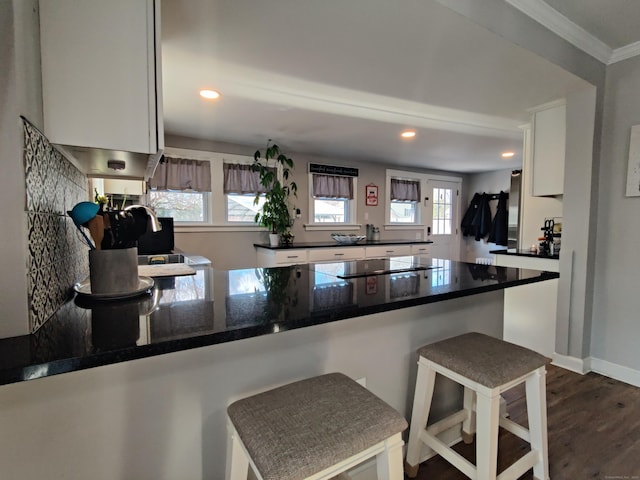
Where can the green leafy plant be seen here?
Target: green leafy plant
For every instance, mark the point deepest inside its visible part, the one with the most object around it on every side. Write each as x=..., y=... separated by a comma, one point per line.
x=275, y=213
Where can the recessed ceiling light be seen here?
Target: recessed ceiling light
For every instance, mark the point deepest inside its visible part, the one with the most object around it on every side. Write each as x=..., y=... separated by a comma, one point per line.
x=209, y=94
x=408, y=134
x=508, y=154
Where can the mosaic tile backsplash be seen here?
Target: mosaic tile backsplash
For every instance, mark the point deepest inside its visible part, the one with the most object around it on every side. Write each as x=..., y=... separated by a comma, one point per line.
x=57, y=257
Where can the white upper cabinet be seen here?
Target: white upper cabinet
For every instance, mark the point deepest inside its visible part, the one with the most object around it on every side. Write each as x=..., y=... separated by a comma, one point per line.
x=101, y=74
x=549, y=137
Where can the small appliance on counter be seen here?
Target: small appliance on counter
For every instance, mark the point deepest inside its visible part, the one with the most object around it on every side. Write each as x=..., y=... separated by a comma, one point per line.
x=550, y=241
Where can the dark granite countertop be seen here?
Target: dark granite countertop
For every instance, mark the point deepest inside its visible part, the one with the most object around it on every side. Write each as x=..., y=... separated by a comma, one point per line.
x=336, y=244
x=218, y=306
x=524, y=253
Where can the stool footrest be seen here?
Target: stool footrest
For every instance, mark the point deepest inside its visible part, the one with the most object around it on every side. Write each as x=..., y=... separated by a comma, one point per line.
x=516, y=429
x=516, y=470
x=447, y=422
x=442, y=449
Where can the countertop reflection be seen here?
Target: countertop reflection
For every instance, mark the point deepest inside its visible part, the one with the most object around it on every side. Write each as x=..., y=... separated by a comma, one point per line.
x=217, y=306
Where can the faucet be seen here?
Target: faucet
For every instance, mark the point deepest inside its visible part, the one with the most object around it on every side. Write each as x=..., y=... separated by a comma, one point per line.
x=153, y=219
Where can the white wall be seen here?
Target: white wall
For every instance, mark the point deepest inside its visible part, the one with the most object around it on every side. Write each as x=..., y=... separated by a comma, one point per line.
x=616, y=302
x=20, y=93
x=164, y=417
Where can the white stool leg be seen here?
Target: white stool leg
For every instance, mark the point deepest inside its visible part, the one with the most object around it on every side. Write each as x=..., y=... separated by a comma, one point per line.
x=425, y=382
x=389, y=462
x=469, y=424
x=537, y=413
x=237, y=460
x=487, y=421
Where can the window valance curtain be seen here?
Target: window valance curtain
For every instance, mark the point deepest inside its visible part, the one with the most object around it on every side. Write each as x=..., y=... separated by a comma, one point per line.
x=182, y=174
x=405, y=190
x=241, y=179
x=332, y=186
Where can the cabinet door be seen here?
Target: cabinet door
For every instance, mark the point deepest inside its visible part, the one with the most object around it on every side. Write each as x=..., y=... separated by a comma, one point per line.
x=335, y=253
x=388, y=250
x=100, y=73
x=549, y=133
x=291, y=257
x=420, y=249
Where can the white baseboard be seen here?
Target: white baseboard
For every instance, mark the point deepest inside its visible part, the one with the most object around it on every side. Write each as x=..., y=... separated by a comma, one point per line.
x=597, y=365
x=615, y=371
x=578, y=365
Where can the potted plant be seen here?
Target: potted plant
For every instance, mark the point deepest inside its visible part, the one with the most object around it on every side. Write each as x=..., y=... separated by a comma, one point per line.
x=275, y=214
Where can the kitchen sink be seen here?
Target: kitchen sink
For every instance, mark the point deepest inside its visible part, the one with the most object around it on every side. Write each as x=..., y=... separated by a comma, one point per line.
x=161, y=259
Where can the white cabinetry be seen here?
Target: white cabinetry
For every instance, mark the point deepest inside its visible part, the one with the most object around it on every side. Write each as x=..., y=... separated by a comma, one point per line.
x=101, y=74
x=530, y=310
x=421, y=249
x=335, y=254
x=549, y=136
x=387, y=250
x=268, y=257
x=279, y=258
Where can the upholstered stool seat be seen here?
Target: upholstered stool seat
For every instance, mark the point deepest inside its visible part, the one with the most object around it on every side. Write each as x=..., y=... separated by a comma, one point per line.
x=487, y=367
x=315, y=428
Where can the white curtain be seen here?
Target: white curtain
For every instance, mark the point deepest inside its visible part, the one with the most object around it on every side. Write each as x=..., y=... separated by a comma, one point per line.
x=332, y=186
x=182, y=174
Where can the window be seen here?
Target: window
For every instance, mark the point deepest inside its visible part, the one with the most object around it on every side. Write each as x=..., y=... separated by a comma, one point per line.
x=241, y=185
x=182, y=206
x=442, y=211
x=179, y=189
x=332, y=199
x=404, y=197
x=229, y=202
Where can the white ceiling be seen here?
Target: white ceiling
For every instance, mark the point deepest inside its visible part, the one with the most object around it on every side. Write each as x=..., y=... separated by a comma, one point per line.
x=342, y=79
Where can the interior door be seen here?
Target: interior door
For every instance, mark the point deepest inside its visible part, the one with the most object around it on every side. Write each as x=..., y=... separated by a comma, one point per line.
x=442, y=218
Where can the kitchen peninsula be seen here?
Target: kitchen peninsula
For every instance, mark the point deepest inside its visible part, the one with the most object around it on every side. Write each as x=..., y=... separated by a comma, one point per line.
x=258, y=328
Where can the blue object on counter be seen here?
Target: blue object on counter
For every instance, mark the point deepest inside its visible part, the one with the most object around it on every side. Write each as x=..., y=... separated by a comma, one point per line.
x=81, y=213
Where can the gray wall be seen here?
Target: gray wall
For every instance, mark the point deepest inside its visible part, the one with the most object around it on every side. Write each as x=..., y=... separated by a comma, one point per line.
x=616, y=303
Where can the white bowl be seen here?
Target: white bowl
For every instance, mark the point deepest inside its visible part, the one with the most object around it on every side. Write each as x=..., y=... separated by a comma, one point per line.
x=347, y=239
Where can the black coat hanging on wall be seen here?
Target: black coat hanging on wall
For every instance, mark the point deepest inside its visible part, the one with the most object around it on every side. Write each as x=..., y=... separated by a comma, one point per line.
x=500, y=225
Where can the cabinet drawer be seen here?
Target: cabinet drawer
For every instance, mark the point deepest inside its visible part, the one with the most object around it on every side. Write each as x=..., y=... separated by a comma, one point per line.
x=420, y=249
x=337, y=253
x=291, y=257
x=388, y=250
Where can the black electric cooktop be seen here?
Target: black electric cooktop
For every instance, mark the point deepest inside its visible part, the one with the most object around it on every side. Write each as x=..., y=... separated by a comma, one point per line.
x=382, y=266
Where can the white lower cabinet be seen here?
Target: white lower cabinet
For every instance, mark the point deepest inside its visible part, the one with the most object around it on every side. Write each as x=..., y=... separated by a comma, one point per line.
x=420, y=249
x=335, y=254
x=387, y=250
x=530, y=310
x=267, y=257
x=279, y=258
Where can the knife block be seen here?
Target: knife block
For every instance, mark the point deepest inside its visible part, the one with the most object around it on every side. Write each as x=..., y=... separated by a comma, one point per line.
x=114, y=271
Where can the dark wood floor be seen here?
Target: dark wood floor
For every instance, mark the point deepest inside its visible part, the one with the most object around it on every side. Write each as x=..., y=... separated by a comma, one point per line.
x=593, y=427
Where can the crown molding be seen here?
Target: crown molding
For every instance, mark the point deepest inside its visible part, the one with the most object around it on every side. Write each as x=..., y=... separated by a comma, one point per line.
x=622, y=53
x=565, y=28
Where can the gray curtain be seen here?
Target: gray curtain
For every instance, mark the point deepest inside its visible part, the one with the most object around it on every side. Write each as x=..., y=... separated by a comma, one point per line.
x=241, y=179
x=332, y=186
x=182, y=174
x=405, y=190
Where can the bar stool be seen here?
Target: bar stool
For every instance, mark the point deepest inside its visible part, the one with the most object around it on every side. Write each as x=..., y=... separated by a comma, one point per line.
x=313, y=429
x=486, y=367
